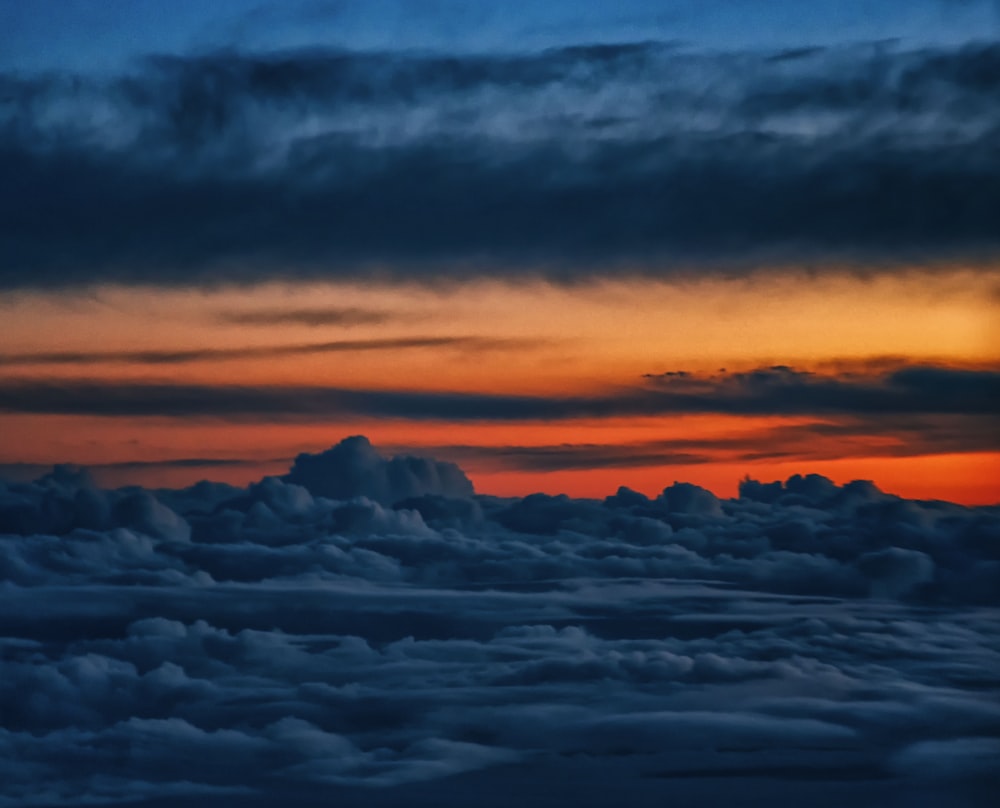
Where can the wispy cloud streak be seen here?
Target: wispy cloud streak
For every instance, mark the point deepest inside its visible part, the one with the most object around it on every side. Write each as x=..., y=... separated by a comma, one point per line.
x=176, y=357
x=314, y=317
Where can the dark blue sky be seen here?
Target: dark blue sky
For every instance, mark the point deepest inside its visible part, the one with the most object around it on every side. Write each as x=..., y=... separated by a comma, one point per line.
x=80, y=35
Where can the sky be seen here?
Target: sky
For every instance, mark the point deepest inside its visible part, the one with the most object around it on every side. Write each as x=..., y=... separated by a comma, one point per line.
x=453, y=402
x=569, y=246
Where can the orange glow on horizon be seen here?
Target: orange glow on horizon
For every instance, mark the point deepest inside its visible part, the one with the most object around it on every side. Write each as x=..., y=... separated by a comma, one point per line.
x=530, y=339
x=964, y=479
x=968, y=478
x=557, y=339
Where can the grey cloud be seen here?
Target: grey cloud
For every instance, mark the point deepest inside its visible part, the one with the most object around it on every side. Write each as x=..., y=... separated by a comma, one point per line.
x=951, y=759
x=569, y=162
x=908, y=391
x=321, y=634
x=353, y=468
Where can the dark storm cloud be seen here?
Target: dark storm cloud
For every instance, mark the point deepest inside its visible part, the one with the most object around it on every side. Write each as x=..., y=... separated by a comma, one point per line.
x=267, y=644
x=327, y=164
x=778, y=390
x=176, y=357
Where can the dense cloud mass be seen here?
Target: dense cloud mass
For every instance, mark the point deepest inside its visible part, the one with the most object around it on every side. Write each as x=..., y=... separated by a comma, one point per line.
x=368, y=630
x=649, y=156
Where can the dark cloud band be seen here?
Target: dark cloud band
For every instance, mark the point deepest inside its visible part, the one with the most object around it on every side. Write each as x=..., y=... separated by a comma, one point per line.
x=567, y=163
x=769, y=391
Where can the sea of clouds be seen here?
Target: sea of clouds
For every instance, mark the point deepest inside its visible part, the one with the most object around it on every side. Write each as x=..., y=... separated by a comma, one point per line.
x=369, y=631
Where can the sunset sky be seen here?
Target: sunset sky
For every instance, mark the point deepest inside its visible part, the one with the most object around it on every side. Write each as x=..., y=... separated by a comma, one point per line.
x=567, y=245
x=499, y=402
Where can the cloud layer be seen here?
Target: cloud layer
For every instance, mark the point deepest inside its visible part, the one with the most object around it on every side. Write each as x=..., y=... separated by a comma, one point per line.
x=565, y=161
x=907, y=391
x=370, y=629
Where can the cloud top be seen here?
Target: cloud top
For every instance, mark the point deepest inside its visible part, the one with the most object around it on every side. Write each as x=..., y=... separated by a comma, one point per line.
x=353, y=468
x=369, y=628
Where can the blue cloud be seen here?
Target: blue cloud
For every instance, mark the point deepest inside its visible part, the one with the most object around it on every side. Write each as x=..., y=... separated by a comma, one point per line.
x=566, y=162
x=276, y=642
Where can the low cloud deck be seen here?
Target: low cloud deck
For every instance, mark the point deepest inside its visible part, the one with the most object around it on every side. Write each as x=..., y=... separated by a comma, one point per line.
x=368, y=629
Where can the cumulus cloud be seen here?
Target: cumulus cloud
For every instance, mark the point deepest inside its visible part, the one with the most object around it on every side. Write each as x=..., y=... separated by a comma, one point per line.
x=371, y=629
x=565, y=161
x=353, y=468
